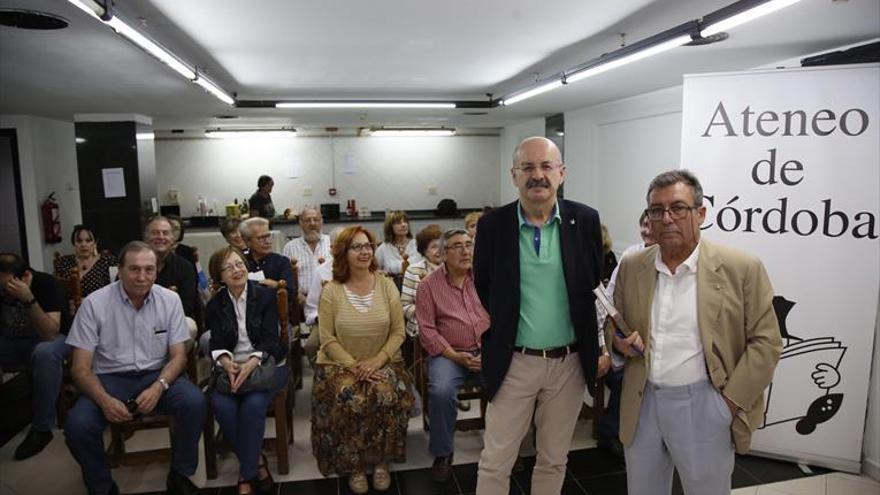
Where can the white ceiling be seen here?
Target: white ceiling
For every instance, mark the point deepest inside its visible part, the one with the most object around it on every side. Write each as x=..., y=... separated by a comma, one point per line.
x=457, y=49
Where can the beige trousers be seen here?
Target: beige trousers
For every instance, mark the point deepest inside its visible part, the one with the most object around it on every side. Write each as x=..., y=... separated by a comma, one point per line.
x=558, y=387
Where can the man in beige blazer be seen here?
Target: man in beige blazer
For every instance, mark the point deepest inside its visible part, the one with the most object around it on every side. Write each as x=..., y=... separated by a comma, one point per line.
x=703, y=347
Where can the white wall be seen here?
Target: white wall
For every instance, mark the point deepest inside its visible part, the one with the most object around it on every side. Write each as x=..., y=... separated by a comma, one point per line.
x=390, y=172
x=47, y=159
x=613, y=150
x=510, y=137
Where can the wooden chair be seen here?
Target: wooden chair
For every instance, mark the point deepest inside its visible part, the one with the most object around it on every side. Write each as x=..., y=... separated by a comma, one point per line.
x=597, y=410
x=281, y=408
x=69, y=391
x=296, y=350
x=469, y=390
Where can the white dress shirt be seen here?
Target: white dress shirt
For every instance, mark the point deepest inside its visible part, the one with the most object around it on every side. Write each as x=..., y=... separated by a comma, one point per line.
x=389, y=259
x=244, y=349
x=324, y=273
x=307, y=260
x=676, y=349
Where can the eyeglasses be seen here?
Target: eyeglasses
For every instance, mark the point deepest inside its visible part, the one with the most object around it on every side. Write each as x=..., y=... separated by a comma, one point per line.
x=358, y=248
x=529, y=169
x=461, y=247
x=676, y=211
x=238, y=265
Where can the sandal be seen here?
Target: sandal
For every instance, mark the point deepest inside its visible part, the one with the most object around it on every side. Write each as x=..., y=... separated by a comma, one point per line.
x=245, y=487
x=381, y=478
x=265, y=484
x=357, y=483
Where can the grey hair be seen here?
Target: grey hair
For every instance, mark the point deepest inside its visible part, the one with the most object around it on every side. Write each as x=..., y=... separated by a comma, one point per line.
x=157, y=218
x=244, y=228
x=134, y=247
x=672, y=177
x=449, y=234
x=311, y=208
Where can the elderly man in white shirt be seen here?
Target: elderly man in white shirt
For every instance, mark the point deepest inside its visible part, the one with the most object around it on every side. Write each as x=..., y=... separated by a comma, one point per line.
x=309, y=250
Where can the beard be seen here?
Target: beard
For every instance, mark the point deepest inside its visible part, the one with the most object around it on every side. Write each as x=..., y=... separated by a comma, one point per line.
x=312, y=236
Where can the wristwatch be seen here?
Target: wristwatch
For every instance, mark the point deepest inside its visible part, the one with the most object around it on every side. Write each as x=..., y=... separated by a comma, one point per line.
x=164, y=384
x=31, y=302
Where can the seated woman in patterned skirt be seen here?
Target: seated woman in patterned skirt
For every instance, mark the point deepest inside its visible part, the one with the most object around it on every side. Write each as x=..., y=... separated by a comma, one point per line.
x=94, y=268
x=361, y=391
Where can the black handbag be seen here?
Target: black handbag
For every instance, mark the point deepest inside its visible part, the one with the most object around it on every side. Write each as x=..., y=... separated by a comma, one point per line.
x=261, y=379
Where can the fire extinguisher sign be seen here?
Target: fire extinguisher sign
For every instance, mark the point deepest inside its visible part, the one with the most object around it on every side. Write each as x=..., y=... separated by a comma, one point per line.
x=51, y=220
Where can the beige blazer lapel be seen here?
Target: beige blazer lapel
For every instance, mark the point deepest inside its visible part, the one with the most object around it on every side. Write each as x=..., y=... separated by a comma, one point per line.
x=710, y=299
x=647, y=283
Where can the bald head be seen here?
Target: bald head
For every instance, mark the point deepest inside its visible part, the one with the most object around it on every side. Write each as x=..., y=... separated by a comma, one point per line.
x=536, y=143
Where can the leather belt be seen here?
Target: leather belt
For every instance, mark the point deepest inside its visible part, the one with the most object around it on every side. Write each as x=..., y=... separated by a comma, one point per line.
x=554, y=353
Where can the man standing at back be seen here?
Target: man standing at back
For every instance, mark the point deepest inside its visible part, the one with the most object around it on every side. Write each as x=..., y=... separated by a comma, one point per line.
x=703, y=347
x=535, y=266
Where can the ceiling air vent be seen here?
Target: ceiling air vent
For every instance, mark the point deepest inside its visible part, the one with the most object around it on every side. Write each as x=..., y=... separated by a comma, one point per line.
x=31, y=19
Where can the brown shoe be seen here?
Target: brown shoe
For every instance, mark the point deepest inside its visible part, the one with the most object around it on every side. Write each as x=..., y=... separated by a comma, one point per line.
x=441, y=471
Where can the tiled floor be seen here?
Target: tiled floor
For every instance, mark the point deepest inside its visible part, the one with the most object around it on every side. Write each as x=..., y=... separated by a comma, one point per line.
x=590, y=471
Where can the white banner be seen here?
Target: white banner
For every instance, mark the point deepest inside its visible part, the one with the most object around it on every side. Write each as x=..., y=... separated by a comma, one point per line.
x=789, y=163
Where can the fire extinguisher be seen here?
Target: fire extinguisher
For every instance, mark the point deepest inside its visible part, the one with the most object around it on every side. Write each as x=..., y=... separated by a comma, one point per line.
x=51, y=220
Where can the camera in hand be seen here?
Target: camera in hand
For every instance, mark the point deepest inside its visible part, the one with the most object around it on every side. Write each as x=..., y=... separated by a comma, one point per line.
x=132, y=406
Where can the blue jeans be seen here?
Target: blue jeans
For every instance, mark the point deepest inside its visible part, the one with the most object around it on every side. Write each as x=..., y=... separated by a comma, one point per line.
x=444, y=379
x=242, y=419
x=45, y=360
x=84, y=430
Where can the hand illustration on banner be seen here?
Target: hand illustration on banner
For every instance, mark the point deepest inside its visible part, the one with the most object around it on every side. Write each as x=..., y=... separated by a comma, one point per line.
x=806, y=364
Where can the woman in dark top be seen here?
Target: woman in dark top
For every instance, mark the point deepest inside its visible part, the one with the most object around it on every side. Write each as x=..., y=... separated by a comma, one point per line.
x=94, y=268
x=609, y=259
x=260, y=204
x=243, y=320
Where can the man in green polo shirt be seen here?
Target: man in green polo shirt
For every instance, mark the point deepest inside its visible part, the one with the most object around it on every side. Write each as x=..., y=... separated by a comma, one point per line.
x=536, y=263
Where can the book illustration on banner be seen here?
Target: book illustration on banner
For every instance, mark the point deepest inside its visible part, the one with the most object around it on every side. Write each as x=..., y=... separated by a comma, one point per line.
x=805, y=365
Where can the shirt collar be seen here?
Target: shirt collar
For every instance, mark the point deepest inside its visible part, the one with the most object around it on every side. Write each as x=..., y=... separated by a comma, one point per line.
x=242, y=298
x=127, y=300
x=446, y=276
x=690, y=263
x=554, y=215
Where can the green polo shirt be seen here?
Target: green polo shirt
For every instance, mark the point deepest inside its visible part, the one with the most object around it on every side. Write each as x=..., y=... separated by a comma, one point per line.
x=544, y=317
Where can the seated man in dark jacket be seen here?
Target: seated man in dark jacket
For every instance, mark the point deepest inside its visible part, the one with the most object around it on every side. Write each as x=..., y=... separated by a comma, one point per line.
x=264, y=266
x=34, y=318
x=174, y=271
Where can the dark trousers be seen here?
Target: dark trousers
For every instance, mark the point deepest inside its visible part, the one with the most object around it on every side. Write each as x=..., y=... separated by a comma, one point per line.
x=44, y=360
x=84, y=430
x=609, y=425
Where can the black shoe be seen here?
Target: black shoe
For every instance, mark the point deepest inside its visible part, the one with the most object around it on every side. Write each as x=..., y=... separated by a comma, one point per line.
x=613, y=447
x=267, y=484
x=179, y=484
x=33, y=444
x=441, y=471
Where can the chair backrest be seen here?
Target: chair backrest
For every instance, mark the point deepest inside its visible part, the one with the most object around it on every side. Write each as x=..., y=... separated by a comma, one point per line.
x=283, y=313
x=71, y=281
x=405, y=264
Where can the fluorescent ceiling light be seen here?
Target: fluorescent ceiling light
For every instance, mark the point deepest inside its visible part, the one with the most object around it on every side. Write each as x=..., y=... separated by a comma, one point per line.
x=145, y=136
x=214, y=90
x=150, y=47
x=746, y=16
x=639, y=55
x=250, y=133
x=89, y=7
x=362, y=104
x=542, y=88
x=412, y=132
x=80, y=140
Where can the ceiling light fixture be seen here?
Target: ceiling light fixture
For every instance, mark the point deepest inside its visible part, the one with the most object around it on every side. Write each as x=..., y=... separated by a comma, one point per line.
x=740, y=13
x=539, y=88
x=583, y=73
x=143, y=42
x=365, y=104
x=412, y=132
x=249, y=133
x=144, y=136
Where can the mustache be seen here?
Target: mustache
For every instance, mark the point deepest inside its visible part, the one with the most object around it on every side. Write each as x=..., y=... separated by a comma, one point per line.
x=542, y=182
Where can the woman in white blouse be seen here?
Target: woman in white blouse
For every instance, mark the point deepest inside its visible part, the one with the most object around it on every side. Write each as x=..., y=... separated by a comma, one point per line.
x=243, y=320
x=399, y=245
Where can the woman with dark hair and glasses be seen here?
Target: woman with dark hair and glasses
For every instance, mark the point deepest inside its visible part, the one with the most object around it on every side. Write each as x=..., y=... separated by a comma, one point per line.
x=243, y=320
x=94, y=268
x=361, y=393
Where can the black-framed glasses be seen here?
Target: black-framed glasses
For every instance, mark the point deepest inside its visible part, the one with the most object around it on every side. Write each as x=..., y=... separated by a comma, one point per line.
x=461, y=247
x=676, y=211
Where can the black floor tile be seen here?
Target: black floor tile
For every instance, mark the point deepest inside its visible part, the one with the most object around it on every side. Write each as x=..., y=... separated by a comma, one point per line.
x=609, y=484
x=466, y=476
x=209, y=491
x=419, y=482
x=768, y=470
x=327, y=486
x=742, y=478
x=593, y=462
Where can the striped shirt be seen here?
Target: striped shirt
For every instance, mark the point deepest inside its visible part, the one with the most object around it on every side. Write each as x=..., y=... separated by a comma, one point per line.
x=449, y=316
x=306, y=260
x=411, y=280
x=360, y=303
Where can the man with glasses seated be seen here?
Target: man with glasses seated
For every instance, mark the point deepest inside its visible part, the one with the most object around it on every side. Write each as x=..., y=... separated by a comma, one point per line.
x=265, y=267
x=128, y=358
x=704, y=343
x=451, y=323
